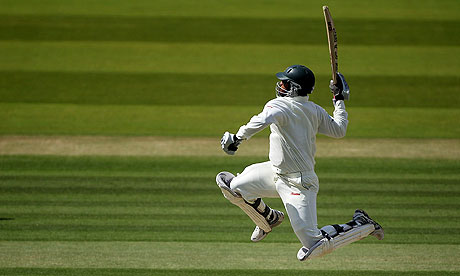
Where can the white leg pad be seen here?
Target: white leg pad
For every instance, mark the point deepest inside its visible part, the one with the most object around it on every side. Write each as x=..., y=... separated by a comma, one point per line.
x=355, y=234
x=239, y=201
x=326, y=246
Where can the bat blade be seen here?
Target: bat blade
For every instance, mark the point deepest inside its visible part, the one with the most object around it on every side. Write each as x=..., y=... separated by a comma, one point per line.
x=332, y=40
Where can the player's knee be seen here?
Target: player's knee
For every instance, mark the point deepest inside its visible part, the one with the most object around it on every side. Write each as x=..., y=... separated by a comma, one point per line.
x=239, y=185
x=236, y=183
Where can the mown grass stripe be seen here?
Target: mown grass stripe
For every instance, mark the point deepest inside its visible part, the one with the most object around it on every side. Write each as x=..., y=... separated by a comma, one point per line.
x=426, y=240
x=195, y=182
x=32, y=271
x=246, y=255
x=159, y=226
x=396, y=224
x=120, y=182
x=162, y=120
x=186, y=201
x=192, y=58
x=203, y=186
x=205, y=216
x=429, y=9
x=227, y=30
x=200, y=89
x=162, y=167
x=222, y=208
x=81, y=166
x=204, y=207
x=184, y=191
x=205, y=272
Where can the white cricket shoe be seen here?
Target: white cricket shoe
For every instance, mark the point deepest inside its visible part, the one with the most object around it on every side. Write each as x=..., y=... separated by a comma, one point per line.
x=259, y=234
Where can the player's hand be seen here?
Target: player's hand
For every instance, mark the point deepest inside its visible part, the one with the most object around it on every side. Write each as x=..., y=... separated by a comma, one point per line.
x=336, y=91
x=230, y=143
x=340, y=90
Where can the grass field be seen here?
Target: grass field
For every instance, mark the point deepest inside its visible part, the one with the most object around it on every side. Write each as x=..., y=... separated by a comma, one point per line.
x=111, y=113
x=165, y=213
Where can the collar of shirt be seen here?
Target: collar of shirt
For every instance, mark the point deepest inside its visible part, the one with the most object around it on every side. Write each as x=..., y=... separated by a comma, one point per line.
x=301, y=98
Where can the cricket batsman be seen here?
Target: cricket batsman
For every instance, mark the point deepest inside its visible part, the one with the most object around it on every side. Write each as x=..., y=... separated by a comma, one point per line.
x=289, y=174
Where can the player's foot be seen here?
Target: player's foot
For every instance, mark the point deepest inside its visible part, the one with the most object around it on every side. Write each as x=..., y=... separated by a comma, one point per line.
x=260, y=234
x=362, y=217
x=306, y=253
x=303, y=253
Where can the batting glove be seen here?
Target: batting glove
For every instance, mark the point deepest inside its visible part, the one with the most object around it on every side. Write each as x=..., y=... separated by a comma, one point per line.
x=340, y=90
x=230, y=143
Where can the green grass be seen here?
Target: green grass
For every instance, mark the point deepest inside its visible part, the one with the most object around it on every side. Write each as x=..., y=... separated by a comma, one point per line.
x=199, y=68
x=133, y=215
x=221, y=256
x=235, y=59
x=89, y=74
x=227, y=30
x=33, y=272
x=163, y=120
x=211, y=58
x=176, y=199
x=430, y=9
x=149, y=212
x=193, y=272
x=199, y=89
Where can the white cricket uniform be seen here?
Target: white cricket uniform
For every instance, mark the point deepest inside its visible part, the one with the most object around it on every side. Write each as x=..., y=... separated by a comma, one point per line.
x=294, y=123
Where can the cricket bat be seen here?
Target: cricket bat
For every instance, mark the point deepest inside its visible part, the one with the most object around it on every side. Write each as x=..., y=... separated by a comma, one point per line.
x=332, y=40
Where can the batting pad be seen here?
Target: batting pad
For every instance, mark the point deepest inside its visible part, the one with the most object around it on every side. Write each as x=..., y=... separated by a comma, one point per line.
x=239, y=201
x=326, y=246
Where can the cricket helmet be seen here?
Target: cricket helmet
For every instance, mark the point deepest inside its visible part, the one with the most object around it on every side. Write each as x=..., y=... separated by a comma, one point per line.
x=297, y=80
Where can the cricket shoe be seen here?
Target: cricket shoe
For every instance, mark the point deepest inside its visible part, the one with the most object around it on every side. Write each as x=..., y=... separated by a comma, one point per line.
x=259, y=234
x=361, y=217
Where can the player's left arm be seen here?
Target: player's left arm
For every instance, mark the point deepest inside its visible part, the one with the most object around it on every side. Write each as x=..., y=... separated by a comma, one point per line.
x=335, y=126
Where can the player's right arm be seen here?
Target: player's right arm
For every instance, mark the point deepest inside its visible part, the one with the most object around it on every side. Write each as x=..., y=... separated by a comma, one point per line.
x=269, y=115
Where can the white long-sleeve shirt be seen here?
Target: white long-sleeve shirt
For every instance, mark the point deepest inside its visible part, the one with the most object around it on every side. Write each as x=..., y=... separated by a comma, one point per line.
x=294, y=123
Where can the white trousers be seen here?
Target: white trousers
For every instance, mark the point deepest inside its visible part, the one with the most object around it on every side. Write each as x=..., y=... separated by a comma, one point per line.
x=298, y=192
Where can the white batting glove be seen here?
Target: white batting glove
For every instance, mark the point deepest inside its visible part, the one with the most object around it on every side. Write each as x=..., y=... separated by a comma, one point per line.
x=230, y=143
x=340, y=90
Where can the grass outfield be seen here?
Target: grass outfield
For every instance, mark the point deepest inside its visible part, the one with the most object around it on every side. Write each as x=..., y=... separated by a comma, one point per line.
x=429, y=9
x=217, y=272
x=158, y=215
x=113, y=57
x=84, y=82
x=41, y=119
x=207, y=147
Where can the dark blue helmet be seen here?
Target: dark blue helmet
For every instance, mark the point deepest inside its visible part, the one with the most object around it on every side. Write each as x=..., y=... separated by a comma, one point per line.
x=297, y=80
